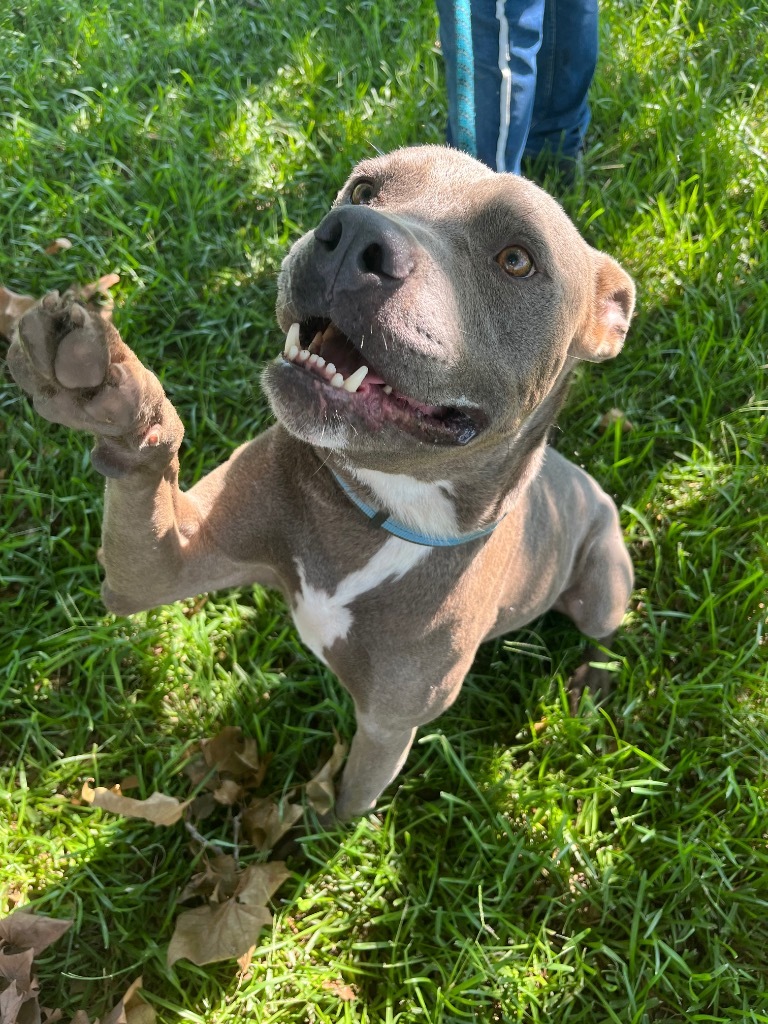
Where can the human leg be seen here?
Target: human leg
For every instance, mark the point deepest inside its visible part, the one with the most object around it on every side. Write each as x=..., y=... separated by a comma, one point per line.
x=565, y=68
x=491, y=106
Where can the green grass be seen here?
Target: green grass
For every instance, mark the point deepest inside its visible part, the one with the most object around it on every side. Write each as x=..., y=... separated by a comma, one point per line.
x=527, y=866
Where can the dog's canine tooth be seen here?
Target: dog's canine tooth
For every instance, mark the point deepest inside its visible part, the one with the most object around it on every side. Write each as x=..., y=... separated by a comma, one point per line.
x=316, y=343
x=292, y=339
x=293, y=353
x=353, y=382
x=336, y=380
x=387, y=389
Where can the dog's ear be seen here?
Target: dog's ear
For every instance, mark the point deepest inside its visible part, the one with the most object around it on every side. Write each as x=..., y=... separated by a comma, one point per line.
x=607, y=321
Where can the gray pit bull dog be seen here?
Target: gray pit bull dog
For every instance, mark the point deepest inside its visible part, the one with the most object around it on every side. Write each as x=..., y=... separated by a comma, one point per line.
x=406, y=503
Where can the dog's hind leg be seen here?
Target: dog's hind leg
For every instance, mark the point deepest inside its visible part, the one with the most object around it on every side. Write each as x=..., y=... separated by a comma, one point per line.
x=596, y=603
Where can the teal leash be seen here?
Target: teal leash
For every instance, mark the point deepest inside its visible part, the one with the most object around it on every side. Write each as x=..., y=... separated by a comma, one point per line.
x=465, y=78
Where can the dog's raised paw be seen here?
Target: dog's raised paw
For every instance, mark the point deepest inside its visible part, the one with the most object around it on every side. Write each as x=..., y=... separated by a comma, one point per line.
x=76, y=368
x=82, y=357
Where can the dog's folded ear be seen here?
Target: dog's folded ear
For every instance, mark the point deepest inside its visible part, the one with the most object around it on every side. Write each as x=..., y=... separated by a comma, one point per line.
x=607, y=321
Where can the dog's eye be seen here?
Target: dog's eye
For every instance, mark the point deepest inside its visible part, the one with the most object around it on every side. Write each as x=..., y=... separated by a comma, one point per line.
x=362, y=194
x=516, y=261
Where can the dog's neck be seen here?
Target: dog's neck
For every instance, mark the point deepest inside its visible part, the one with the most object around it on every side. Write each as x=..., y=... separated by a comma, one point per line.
x=474, y=496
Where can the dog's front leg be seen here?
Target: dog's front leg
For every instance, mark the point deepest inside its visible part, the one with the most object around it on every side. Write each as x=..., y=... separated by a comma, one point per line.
x=80, y=374
x=377, y=754
x=388, y=717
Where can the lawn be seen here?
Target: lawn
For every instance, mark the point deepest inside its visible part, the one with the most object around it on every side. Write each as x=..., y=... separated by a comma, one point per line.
x=527, y=866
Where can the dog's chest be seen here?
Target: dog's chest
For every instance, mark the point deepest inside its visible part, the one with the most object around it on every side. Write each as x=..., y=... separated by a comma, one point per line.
x=324, y=617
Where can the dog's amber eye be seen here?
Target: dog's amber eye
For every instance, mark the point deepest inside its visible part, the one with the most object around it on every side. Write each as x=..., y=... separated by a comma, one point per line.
x=362, y=193
x=515, y=261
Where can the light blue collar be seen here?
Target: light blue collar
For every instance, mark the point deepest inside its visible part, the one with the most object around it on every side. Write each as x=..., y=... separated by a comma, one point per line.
x=382, y=520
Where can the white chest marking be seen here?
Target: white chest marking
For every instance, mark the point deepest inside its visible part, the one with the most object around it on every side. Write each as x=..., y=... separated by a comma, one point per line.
x=420, y=505
x=322, y=618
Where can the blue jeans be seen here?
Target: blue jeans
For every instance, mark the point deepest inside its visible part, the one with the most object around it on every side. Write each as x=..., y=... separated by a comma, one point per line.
x=518, y=74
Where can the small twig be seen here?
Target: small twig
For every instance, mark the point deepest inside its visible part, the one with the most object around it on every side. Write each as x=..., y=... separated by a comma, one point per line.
x=199, y=838
x=236, y=822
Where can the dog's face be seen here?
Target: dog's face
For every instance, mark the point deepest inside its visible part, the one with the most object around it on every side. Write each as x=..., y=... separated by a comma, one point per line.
x=464, y=293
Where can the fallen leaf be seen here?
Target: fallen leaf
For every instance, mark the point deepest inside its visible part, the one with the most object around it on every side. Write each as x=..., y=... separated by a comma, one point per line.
x=12, y=307
x=237, y=755
x=132, y=1009
x=223, y=931
x=22, y=936
x=265, y=822
x=158, y=808
x=227, y=930
x=26, y=930
x=244, y=963
x=97, y=289
x=11, y=1001
x=608, y=419
x=57, y=245
x=17, y=967
x=259, y=882
x=228, y=792
x=320, y=790
x=344, y=992
x=217, y=882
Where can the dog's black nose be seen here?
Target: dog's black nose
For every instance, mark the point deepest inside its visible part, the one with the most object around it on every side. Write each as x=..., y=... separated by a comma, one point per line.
x=356, y=244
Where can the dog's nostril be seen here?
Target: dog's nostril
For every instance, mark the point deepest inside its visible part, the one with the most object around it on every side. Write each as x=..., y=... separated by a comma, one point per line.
x=329, y=233
x=372, y=259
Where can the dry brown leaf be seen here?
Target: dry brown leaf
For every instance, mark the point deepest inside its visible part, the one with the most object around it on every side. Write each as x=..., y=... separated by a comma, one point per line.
x=26, y=930
x=132, y=1009
x=608, y=419
x=244, y=963
x=12, y=307
x=22, y=936
x=223, y=931
x=259, y=882
x=228, y=793
x=237, y=755
x=320, y=790
x=344, y=992
x=81, y=1017
x=57, y=245
x=265, y=822
x=158, y=808
x=218, y=881
x=11, y=1002
x=97, y=289
x=226, y=931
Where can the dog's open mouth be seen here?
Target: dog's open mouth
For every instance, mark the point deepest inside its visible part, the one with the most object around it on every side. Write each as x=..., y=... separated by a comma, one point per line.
x=321, y=349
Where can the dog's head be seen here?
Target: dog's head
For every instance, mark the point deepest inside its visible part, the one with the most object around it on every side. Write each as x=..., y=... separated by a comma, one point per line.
x=466, y=295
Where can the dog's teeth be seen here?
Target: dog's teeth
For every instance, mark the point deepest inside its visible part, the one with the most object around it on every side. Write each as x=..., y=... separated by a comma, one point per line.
x=292, y=339
x=353, y=382
x=316, y=342
x=387, y=389
x=319, y=362
x=336, y=380
x=293, y=353
x=330, y=369
x=304, y=355
x=313, y=359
